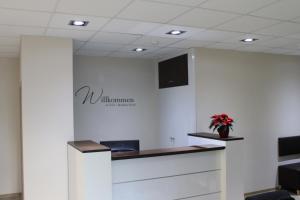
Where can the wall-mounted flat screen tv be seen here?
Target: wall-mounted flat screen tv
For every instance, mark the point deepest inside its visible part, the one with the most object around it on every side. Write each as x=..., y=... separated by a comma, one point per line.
x=173, y=72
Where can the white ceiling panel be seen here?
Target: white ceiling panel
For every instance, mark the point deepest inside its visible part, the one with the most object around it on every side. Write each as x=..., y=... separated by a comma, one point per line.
x=283, y=9
x=15, y=41
x=130, y=48
x=203, y=18
x=129, y=26
x=87, y=52
x=294, y=36
x=217, y=36
x=182, y=2
x=186, y=44
x=23, y=18
x=156, y=41
x=282, y=29
x=281, y=42
x=62, y=21
x=115, y=38
x=247, y=24
x=152, y=11
x=162, y=30
x=222, y=45
x=16, y=31
x=168, y=51
x=40, y=5
x=126, y=54
x=75, y=34
x=237, y=6
x=101, y=46
x=104, y=8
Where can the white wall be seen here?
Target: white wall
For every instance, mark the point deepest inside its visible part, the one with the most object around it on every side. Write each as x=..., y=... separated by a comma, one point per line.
x=47, y=116
x=118, y=77
x=262, y=93
x=177, y=109
x=10, y=136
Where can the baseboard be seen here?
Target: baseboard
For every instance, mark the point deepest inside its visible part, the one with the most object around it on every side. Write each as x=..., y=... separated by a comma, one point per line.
x=8, y=196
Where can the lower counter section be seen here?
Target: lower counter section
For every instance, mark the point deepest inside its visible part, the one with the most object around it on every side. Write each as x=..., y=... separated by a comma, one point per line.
x=188, y=176
x=170, y=188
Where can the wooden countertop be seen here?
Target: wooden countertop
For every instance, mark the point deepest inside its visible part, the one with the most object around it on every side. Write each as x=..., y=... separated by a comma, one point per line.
x=214, y=136
x=88, y=146
x=164, y=152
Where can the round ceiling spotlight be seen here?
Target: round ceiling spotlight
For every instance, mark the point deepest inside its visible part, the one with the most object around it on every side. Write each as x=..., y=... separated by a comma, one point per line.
x=248, y=40
x=139, y=49
x=78, y=23
x=176, y=32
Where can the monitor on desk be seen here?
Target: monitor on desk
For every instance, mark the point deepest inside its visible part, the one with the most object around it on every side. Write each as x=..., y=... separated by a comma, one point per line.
x=122, y=145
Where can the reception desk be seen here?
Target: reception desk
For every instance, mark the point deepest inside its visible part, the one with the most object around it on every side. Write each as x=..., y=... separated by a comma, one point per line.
x=191, y=173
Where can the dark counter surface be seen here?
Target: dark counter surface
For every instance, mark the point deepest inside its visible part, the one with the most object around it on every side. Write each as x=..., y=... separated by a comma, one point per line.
x=214, y=136
x=88, y=146
x=164, y=152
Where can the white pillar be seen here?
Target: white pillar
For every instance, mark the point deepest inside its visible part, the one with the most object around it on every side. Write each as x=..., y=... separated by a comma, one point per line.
x=47, y=116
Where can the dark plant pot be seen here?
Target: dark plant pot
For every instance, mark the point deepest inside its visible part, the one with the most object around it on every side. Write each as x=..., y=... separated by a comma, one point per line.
x=223, y=131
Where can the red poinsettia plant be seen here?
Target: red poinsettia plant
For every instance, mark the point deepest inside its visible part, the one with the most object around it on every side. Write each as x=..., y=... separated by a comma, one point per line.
x=221, y=122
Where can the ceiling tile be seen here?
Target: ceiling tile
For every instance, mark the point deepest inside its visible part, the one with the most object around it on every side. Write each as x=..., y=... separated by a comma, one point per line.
x=86, y=52
x=115, y=38
x=222, y=45
x=281, y=42
x=105, y=8
x=75, y=34
x=10, y=41
x=237, y=6
x=203, y=18
x=294, y=36
x=282, y=29
x=101, y=46
x=23, y=18
x=186, y=44
x=128, y=26
x=237, y=40
x=130, y=48
x=284, y=10
x=63, y=20
x=124, y=54
x=213, y=35
x=156, y=41
x=44, y=5
x=168, y=51
x=183, y=2
x=247, y=24
x=296, y=19
x=15, y=31
x=162, y=30
x=152, y=11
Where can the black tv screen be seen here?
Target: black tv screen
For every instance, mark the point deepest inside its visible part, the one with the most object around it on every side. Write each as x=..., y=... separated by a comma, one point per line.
x=173, y=72
x=288, y=145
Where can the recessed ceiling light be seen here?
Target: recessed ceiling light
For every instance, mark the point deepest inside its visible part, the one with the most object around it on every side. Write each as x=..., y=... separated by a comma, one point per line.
x=249, y=40
x=139, y=49
x=78, y=23
x=176, y=32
